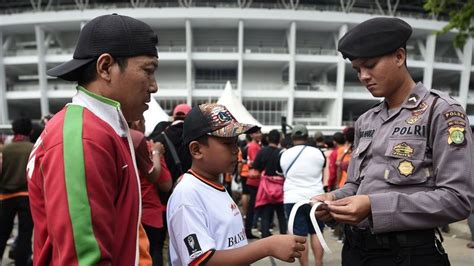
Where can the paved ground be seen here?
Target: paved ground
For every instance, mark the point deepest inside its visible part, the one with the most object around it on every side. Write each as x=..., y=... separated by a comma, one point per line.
x=455, y=244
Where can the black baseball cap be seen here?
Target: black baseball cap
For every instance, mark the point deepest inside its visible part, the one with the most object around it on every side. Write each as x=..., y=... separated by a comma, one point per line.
x=213, y=120
x=118, y=35
x=375, y=37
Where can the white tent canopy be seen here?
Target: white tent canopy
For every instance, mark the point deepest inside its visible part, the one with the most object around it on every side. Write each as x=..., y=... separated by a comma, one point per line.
x=154, y=115
x=235, y=106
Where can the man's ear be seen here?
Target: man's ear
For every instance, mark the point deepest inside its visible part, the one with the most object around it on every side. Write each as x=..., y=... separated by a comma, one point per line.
x=104, y=66
x=195, y=149
x=401, y=55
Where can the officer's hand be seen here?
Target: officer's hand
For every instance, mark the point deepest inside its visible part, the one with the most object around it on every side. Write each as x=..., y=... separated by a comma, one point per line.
x=322, y=212
x=351, y=210
x=286, y=247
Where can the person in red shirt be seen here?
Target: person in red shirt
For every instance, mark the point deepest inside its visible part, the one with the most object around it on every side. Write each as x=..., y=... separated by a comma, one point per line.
x=339, y=141
x=154, y=174
x=253, y=179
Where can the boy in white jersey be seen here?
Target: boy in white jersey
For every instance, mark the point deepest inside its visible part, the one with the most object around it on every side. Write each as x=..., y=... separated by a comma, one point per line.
x=205, y=225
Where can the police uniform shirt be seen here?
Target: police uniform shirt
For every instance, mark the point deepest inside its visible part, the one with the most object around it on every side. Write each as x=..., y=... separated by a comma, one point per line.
x=202, y=218
x=412, y=182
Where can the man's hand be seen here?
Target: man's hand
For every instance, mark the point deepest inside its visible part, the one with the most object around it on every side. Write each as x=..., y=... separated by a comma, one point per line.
x=351, y=210
x=322, y=212
x=158, y=147
x=286, y=247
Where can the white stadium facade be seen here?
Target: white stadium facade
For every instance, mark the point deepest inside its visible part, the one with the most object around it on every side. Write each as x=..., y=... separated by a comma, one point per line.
x=280, y=56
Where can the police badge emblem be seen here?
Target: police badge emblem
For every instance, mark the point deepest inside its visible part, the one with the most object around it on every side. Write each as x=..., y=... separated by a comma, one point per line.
x=406, y=168
x=456, y=135
x=403, y=149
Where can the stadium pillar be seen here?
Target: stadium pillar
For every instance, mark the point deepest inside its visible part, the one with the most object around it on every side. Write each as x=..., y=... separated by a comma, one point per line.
x=240, y=66
x=341, y=72
x=3, y=86
x=189, y=62
x=466, y=72
x=429, y=60
x=43, y=82
x=291, y=72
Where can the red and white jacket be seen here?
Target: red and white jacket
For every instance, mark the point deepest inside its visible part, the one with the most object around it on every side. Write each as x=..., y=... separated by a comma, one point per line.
x=84, y=187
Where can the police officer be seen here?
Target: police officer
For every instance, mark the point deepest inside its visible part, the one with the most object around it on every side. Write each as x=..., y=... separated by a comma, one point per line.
x=412, y=167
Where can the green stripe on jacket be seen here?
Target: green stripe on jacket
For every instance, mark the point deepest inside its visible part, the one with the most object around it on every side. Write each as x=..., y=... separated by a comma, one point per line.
x=87, y=248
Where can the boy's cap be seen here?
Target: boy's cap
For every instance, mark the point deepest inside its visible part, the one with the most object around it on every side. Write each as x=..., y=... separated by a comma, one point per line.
x=181, y=109
x=299, y=131
x=214, y=120
x=118, y=35
x=374, y=37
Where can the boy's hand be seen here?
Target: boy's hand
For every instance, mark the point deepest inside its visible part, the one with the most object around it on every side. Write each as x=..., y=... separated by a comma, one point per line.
x=322, y=212
x=286, y=247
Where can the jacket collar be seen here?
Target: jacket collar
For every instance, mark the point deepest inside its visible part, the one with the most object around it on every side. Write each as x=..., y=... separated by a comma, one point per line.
x=412, y=101
x=106, y=109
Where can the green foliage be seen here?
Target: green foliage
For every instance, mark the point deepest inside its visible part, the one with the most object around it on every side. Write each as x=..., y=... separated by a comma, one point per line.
x=461, y=17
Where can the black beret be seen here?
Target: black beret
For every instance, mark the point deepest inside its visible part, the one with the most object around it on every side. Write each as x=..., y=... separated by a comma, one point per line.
x=374, y=37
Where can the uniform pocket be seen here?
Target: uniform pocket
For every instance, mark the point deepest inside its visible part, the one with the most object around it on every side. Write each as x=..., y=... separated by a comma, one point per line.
x=406, y=162
x=358, y=156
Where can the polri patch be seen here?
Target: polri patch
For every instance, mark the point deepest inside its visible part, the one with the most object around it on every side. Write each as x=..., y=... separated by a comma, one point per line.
x=452, y=114
x=406, y=168
x=456, y=135
x=192, y=243
x=403, y=149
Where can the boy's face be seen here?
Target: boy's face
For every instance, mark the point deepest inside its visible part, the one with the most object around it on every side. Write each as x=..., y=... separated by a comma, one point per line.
x=220, y=154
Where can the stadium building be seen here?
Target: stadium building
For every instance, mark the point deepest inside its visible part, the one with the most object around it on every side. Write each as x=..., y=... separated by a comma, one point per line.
x=280, y=56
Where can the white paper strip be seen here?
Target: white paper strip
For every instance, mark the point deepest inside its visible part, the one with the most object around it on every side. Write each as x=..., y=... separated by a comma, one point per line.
x=319, y=234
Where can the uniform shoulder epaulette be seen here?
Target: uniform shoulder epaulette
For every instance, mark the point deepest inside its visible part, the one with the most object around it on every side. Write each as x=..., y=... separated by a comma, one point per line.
x=445, y=96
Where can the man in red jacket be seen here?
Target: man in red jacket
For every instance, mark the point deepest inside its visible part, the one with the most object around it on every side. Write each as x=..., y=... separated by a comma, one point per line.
x=83, y=181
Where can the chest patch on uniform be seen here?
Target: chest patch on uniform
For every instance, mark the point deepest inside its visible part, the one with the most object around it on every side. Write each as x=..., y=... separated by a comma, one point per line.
x=192, y=243
x=403, y=149
x=406, y=168
x=452, y=114
x=367, y=133
x=456, y=135
x=416, y=130
x=416, y=114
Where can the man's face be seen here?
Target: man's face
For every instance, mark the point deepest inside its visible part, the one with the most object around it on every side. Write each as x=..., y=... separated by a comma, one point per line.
x=257, y=136
x=378, y=74
x=134, y=85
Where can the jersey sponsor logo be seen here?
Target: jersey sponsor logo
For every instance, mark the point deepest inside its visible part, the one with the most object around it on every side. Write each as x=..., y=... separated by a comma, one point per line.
x=406, y=168
x=366, y=133
x=452, y=114
x=236, y=239
x=416, y=114
x=417, y=130
x=456, y=135
x=192, y=243
x=403, y=149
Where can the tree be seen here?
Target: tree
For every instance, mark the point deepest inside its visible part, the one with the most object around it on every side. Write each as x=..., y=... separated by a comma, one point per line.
x=461, y=17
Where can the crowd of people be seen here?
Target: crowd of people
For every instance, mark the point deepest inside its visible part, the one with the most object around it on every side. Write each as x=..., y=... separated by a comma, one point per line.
x=94, y=189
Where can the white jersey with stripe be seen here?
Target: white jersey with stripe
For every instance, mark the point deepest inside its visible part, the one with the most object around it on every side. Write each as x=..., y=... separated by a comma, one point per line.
x=202, y=218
